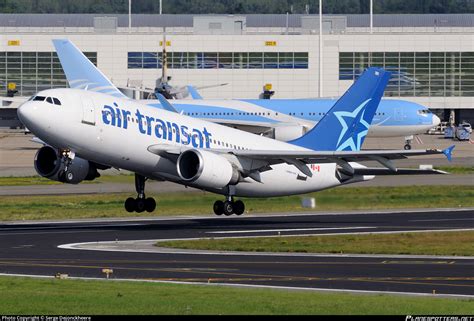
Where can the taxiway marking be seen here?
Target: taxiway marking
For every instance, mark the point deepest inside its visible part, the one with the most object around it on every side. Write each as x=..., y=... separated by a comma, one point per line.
x=294, y=230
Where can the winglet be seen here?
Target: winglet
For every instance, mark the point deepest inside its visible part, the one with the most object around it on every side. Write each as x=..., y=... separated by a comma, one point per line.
x=165, y=103
x=193, y=92
x=448, y=152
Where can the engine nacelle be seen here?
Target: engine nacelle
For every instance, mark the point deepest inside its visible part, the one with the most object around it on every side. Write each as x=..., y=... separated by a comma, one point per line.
x=287, y=133
x=49, y=164
x=206, y=169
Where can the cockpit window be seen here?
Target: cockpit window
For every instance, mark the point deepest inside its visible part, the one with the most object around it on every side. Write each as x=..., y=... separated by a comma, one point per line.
x=49, y=100
x=423, y=112
x=56, y=101
x=39, y=98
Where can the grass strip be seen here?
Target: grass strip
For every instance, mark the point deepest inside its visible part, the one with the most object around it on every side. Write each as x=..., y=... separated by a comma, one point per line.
x=79, y=297
x=38, y=180
x=457, y=169
x=433, y=243
x=200, y=203
x=129, y=178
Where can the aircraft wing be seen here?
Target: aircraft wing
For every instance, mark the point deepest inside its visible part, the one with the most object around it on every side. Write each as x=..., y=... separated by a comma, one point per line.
x=255, y=127
x=384, y=157
x=321, y=156
x=265, y=158
x=400, y=171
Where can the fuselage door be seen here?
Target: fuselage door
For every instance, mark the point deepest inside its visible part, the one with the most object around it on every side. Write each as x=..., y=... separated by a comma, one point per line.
x=88, y=111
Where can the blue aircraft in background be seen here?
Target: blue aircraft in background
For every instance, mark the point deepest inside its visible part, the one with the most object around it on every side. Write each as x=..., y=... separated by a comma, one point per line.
x=282, y=119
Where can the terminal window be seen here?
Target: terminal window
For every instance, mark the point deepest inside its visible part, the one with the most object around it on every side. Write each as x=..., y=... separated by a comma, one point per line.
x=219, y=60
x=33, y=71
x=415, y=73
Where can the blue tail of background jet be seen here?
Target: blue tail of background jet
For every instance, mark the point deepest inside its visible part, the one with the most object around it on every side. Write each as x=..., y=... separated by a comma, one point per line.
x=346, y=124
x=80, y=72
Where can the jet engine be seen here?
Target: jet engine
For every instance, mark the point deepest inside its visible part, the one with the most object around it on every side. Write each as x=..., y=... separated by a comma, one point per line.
x=49, y=164
x=206, y=169
x=287, y=133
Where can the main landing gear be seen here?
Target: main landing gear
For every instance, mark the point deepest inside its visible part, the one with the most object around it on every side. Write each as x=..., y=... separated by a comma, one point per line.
x=140, y=204
x=408, y=140
x=229, y=207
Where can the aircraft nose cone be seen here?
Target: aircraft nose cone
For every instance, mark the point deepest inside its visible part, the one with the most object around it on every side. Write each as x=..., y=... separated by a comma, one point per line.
x=436, y=120
x=26, y=112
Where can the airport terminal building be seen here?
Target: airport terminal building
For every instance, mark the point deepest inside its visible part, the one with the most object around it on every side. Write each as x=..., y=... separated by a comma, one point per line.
x=431, y=56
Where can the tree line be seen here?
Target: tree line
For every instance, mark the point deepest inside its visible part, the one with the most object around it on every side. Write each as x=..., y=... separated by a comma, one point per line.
x=236, y=6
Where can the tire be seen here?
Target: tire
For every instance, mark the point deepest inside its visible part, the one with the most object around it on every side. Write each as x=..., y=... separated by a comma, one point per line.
x=228, y=208
x=218, y=207
x=140, y=205
x=239, y=207
x=150, y=204
x=407, y=147
x=68, y=176
x=130, y=205
x=62, y=176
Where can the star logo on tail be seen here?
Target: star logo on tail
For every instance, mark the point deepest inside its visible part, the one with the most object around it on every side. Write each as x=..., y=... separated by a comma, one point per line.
x=353, y=118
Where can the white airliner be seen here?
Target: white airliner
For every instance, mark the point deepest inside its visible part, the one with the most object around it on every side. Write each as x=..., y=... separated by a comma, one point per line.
x=282, y=119
x=85, y=131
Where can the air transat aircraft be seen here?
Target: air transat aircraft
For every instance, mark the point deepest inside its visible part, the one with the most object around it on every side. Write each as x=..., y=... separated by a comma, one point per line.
x=282, y=119
x=86, y=131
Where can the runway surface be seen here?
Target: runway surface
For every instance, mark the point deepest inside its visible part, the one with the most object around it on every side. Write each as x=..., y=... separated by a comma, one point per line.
x=32, y=248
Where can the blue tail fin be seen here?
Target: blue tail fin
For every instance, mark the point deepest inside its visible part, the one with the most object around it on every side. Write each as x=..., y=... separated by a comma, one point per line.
x=346, y=124
x=81, y=72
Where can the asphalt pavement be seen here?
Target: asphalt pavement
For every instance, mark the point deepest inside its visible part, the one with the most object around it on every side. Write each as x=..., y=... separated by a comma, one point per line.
x=48, y=248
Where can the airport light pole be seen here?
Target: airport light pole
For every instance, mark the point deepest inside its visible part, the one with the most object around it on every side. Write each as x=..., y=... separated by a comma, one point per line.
x=129, y=16
x=371, y=16
x=320, y=48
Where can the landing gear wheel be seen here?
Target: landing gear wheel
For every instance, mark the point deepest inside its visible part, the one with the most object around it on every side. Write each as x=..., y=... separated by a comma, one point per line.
x=407, y=147
x=68, y=176
x=62, y=176
x=239, y=207
x=130, y=205
x=140, y=205
x=150, y=204
x=218, y=207
x=228, y=208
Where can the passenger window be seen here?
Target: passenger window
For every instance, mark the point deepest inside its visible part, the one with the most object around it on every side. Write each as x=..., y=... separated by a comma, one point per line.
x=49, y=100
x=56, y=101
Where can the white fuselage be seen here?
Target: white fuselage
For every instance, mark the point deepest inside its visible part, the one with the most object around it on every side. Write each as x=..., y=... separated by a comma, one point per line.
x=117, y=132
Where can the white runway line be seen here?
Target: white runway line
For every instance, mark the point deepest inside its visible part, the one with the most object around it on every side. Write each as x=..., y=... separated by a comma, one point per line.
x=294, y=230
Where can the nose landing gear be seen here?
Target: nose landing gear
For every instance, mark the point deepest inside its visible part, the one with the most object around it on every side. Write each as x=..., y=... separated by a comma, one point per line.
x=229, y=207
x=141, y=203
